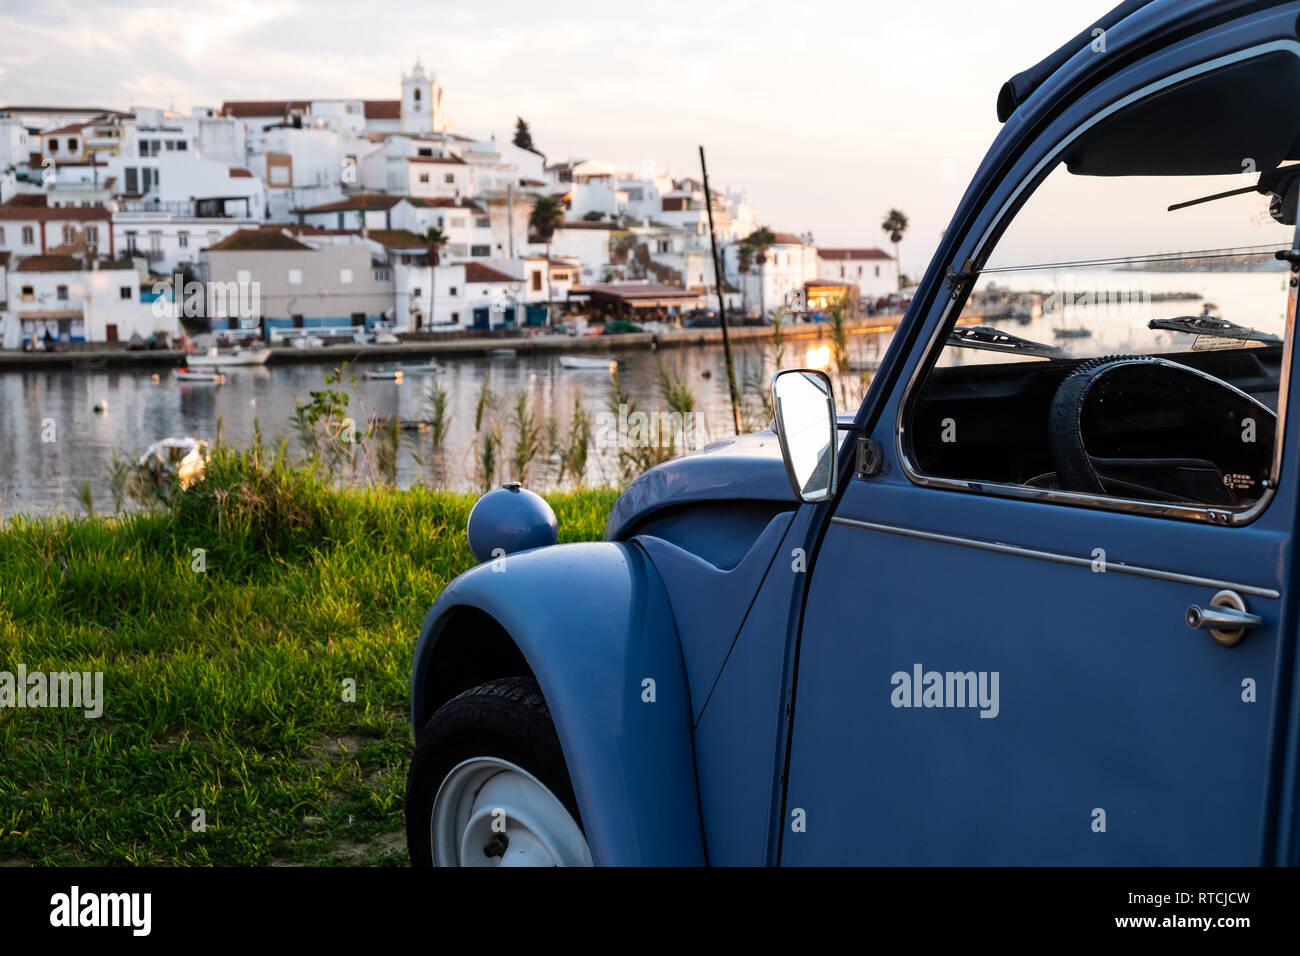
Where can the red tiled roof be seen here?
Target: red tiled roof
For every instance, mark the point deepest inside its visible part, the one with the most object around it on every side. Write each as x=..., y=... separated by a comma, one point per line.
x=788, y=239
x=70, y=128
x=258, y=240
x=360, y=201
x=449, y=160
x=49, y=264
x=247, y=108
x=383, y=109
x=842, y=254
x=29, y=199
x=397, y=239
x=12, y=211
x=477, y=272
x=237, y=172
x=588, y=224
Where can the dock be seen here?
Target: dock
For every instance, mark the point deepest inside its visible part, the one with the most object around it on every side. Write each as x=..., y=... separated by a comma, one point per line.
x=91, y=359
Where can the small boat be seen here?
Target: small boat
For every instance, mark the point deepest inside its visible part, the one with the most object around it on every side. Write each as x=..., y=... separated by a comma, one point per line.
x=182, y=457
x=501, y=353
x=1072, y=333
x=307, y=342
x=383, y=374
x=426, y=368
x=239, y=355
x=594, y=362
x=200, y=376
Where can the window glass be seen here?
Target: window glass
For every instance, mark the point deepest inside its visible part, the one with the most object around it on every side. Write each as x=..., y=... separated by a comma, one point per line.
x=1116, y=347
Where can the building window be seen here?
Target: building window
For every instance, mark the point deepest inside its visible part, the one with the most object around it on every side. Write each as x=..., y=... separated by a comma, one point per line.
x=449, y=178
x=483, y=222
x=2, y=235
x=877, y=272
x=213, y=237
x=537, y=280
x=279, y=175
x=415, y=293
x=155, y=243
x=124, y=292
x=69, y=234
x=130, y=242
x=132, y=179
x=451, y=293
x=29, y=294
x=295, y=277
x=183, y=239
x=62, y=293
x=358, y=318
x=381, y=275
x=171, y=145
x=182, y=146
x=424, y=177
x=243, y=276
x=29, y=236
x=424, y=151
x=480, y=250
x=92, y=235
x=54, y=146
x=455, y=318
x=345, y=276
x=72, y=145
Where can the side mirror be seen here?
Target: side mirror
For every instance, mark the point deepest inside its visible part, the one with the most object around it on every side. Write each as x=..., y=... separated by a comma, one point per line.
x=806, y=425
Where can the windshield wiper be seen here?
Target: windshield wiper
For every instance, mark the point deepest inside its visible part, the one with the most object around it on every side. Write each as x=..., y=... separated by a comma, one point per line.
x=995, y=340
x=1218, y=328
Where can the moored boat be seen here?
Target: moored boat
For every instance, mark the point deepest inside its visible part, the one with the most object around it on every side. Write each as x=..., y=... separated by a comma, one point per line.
x=214, y=358
x=595, y=362
x=384, y=374
x=183, y=458
x=200, y=376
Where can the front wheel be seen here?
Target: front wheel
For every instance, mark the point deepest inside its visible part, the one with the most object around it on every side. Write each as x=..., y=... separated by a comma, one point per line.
x=488, y=785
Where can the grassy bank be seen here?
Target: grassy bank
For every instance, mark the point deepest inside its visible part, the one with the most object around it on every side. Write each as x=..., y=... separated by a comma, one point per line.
x=226, y=626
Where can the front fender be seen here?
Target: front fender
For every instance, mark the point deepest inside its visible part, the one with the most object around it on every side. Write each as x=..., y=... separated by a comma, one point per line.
x=593, y=623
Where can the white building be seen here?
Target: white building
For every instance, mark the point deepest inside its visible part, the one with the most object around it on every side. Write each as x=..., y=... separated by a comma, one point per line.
x=778, y=282
x=873, y=271
x=77, y=300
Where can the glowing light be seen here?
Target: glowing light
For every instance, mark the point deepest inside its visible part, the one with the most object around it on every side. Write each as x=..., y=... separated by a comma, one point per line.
x=819, y=356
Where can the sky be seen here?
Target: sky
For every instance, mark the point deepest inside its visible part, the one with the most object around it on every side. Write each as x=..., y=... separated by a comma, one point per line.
x=828, y=114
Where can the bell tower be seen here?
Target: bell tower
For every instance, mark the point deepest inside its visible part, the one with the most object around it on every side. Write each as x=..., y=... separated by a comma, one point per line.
x=418, y=100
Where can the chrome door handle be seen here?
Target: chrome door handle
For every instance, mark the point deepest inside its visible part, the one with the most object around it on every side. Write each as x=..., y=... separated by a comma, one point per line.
x=1226, y=618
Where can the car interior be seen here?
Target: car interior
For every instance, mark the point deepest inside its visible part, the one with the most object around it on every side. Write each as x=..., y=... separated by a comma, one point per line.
x=1182, y=411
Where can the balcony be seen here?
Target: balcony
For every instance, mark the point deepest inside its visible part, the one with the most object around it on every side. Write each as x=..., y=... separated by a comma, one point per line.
x=214, y=207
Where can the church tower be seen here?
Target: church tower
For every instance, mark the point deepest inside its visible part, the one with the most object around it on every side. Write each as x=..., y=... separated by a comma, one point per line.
x=422, y=106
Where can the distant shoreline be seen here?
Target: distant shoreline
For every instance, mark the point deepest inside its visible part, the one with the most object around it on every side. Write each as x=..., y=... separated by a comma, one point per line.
x=92, y=359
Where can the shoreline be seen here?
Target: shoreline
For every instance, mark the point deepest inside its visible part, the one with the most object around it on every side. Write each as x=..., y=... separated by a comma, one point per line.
x=94, y=359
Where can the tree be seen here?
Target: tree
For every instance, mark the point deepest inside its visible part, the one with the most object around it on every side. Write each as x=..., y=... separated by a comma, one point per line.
x=436, y=239
x=523, y=135
x=547, y=216
x=896, y=224
x=761, y=240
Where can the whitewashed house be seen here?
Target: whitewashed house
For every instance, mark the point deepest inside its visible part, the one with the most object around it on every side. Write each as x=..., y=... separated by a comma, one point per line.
x=78, y=300
x=873, y=271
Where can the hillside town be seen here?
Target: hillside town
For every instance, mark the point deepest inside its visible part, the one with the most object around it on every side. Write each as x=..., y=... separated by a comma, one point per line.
x=307, y=220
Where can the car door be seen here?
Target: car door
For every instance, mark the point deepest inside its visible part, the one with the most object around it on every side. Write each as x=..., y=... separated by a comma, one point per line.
x=995, y=664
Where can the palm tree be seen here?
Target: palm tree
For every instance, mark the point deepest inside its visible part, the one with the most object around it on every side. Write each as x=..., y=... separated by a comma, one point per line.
x=896, y=224
x=744, y=261
x=436, y=239
x=547, y=216
x=761, y=240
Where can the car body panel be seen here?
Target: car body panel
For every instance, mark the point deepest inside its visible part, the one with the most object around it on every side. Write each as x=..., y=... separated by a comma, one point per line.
x=593, y=623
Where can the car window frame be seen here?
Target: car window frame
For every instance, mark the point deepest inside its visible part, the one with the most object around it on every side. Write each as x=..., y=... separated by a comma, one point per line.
x=972, y=263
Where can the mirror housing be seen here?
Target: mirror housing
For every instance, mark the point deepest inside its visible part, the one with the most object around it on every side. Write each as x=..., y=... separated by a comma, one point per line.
x=806, y=425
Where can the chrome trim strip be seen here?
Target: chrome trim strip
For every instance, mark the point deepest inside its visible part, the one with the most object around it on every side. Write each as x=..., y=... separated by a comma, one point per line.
x=1058, y=558
x=1210, y=515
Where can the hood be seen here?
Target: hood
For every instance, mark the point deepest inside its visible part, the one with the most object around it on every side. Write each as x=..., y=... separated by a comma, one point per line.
x=744, y=468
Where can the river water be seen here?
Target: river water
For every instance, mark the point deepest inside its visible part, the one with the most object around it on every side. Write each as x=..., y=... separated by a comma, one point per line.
x=52, y=441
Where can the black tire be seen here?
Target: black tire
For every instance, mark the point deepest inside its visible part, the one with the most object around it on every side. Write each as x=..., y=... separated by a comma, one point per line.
x=506, y=718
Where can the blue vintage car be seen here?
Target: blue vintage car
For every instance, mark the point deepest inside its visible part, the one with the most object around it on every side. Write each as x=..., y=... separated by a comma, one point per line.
x=1030, y=602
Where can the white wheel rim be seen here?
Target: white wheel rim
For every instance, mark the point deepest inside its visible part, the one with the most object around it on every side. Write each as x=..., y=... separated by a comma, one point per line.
x=490, y=812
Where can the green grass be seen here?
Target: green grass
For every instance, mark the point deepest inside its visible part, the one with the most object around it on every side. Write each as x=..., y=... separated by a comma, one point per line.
x=224, y=688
